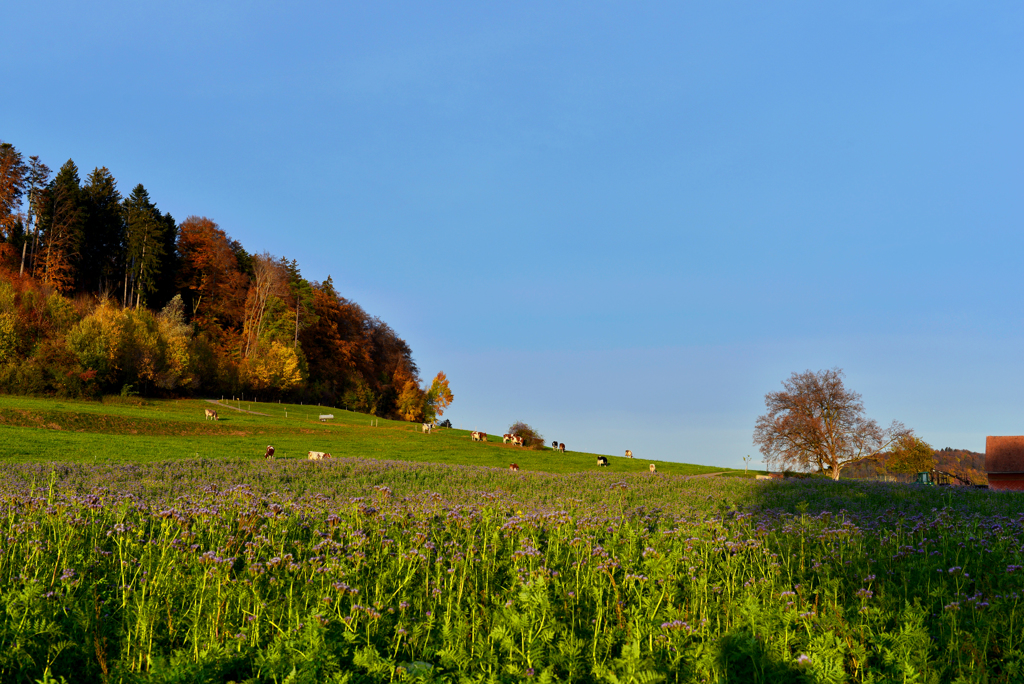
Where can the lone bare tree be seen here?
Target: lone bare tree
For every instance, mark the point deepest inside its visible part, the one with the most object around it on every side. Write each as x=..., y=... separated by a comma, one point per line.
x=816, y=423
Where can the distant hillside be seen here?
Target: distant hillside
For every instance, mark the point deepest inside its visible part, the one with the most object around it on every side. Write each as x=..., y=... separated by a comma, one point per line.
x=102, y=293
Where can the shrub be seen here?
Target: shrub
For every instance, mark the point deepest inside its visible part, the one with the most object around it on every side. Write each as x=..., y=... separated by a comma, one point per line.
x=531, y=438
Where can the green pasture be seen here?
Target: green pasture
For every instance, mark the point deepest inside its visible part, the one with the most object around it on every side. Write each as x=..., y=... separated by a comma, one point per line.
x=116, y=429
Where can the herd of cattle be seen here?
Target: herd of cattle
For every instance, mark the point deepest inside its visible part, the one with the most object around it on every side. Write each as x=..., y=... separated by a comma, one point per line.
x=516, y=440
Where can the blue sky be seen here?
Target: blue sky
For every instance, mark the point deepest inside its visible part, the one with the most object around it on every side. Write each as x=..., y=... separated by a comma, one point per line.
x=623, y=223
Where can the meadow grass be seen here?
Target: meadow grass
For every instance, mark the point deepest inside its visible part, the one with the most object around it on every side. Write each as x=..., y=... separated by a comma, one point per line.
x=32, y=428
x=125, y=558
x=361, y=570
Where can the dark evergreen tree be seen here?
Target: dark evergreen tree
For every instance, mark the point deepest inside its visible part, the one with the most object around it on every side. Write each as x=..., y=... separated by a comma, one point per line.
x=62, y=216
x=166, y=287
x=301, y=292
x=245, y=264
x=144, y=246
x=103, y=246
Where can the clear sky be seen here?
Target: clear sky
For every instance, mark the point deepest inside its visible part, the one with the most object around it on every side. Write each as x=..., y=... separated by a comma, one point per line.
x=623, y=223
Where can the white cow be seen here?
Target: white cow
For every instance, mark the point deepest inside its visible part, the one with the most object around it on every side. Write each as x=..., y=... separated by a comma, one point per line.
x=319, y=456
x=653, y=468
x=629, y=454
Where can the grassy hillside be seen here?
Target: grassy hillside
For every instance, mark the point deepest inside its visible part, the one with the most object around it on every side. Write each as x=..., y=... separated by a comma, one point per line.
x=50, y=429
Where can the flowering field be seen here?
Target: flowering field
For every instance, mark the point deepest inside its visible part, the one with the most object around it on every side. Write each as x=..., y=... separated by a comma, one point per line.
x=374, y=571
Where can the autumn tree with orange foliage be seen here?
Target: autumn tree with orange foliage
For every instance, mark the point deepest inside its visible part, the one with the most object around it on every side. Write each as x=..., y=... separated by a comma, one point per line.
x=439, y=397
x=212, y=286
x=411, y=400
x=337, y=347
x=816, y=423
x=13, y=179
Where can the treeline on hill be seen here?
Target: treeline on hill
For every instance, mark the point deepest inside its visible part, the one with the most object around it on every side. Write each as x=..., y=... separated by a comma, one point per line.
x=968, y=465
x=101, y=293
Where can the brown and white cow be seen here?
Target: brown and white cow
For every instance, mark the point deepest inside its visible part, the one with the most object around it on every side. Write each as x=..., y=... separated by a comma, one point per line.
x=505, y=439
x=269, y=453
x=561, y=447
x=517, y=440
x=653, y=468
x=629, y=454
x=479, y=436
x=211, y=414
x=319, y=456
x=514, y=468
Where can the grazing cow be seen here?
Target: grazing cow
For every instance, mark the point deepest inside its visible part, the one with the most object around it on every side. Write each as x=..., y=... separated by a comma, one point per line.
x=514, y=468
x=270, y=452
x=427, y=427
x=479, y=436
x=517, y=440
x=506, y=438
x=561, y=447
x=211, y=414
x=629, y=454
x=318, y=456
x=653, y=468
x=602, y=460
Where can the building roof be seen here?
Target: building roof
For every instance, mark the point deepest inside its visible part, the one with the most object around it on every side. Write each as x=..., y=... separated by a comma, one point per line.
x=1004, y=454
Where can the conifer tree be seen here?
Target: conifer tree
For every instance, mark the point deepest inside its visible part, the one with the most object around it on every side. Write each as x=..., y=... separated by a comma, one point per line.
x=103, y=244
x=166, y=285
x=61, y=219
x=144, y=246
x=301, y=298
x=38, y=179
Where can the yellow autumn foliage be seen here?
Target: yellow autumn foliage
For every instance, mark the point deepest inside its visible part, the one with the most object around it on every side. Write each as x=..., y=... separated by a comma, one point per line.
x=274, y=369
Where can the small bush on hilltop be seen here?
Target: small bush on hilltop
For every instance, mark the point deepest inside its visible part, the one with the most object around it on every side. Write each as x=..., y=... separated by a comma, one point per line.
x=531, y=438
